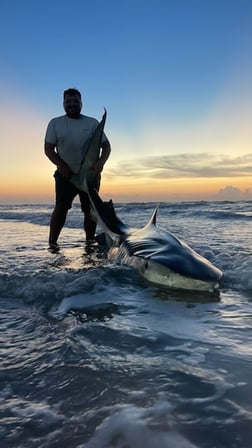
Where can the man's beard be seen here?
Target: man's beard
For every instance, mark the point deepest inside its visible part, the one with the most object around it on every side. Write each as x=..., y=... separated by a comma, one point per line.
x=73, y=114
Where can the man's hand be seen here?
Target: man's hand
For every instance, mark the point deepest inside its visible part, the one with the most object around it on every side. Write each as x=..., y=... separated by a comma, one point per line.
x=98, y=166
x=52, y=155
x=64, y=170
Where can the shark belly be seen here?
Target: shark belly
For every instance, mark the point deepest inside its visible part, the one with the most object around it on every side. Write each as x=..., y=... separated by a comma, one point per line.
x=161, y=275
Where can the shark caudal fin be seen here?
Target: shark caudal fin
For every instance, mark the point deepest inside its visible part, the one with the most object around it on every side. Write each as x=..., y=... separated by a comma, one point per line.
x=106, y=215
x=91, y=155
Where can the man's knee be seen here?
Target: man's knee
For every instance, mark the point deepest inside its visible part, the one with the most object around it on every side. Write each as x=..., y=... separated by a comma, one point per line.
x=61, y=208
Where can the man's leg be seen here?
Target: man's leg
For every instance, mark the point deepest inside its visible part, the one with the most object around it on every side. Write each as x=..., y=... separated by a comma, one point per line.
x=58, y=219
x=89, y=223
x=65, y=193
x=89, y=227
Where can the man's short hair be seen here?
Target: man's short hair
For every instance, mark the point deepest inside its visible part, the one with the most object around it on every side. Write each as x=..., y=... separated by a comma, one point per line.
x=72, y=92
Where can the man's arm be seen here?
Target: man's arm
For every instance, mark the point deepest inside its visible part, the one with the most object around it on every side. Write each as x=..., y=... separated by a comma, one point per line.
x=53, y=156
x=105, y=153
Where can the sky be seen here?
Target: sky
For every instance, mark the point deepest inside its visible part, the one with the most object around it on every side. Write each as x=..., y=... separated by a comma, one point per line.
x=175, y=78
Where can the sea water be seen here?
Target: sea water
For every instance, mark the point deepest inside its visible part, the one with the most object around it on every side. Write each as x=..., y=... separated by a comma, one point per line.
x=93, y=356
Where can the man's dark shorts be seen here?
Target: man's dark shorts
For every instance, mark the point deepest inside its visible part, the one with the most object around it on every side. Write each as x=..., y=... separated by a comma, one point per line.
x=66, y=192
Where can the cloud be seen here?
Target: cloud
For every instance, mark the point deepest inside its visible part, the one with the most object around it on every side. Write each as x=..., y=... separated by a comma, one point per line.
x=187, y=165
x=231, y=193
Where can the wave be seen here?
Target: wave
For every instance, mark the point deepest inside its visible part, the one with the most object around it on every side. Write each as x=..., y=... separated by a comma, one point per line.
x=227, y=211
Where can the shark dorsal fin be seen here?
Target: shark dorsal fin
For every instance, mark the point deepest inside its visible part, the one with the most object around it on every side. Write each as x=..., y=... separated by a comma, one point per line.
x=153, y=219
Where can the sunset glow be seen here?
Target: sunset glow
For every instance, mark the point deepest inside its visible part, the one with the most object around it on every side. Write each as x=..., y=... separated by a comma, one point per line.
x=179, y=129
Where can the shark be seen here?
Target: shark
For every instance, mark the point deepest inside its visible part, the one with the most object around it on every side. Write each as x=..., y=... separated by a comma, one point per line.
x=156, y=254
x=91, y=152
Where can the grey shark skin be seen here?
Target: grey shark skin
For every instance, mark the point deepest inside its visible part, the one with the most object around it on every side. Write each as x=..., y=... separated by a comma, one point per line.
x=156, y=254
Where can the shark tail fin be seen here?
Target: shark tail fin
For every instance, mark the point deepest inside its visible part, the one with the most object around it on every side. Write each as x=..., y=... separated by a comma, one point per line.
x=86, y=174
x=106, y=213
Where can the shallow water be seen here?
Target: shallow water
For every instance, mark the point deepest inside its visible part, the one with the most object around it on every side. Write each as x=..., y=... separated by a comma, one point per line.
x=94, y=356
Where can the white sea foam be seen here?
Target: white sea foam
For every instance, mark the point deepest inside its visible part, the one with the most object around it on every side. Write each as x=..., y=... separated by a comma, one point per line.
x=133, y=427
x=41, y=415
x=192, y=355
x=83, y=301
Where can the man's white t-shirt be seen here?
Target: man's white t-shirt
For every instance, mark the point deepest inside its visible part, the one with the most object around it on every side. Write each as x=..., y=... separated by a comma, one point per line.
x=71, y=137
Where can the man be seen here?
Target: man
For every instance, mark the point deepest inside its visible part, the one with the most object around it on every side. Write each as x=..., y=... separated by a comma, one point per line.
x=66, y=138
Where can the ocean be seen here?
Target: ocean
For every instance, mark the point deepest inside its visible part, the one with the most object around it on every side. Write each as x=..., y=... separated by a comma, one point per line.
x=93, y=356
